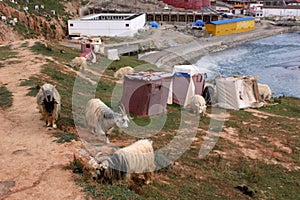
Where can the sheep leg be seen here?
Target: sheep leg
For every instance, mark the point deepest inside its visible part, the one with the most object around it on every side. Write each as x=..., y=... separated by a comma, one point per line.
x=53, y=123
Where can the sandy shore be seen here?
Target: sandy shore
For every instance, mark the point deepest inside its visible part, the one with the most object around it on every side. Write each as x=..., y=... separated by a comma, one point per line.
x=192, y=50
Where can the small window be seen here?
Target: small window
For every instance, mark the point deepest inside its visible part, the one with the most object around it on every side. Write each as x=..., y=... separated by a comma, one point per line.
x=126, y=25
x=71, y=25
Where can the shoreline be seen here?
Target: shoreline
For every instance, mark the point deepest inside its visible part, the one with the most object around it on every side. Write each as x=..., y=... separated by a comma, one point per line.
x=191, y=52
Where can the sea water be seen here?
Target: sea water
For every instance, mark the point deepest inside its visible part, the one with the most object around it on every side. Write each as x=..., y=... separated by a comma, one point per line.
x=276, y=60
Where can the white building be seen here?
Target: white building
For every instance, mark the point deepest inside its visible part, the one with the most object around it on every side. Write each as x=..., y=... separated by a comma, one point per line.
x=283, y=12
x=107, y=24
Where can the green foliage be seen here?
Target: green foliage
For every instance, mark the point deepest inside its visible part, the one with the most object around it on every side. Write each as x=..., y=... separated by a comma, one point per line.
x=76, y=166
x=125, y=61
x=5, y=97
x=48, y=6
x=63, y=137
x=285, y=106
x=59, y=52
x=98, y=191
x=24, y=30
x=35, y=85
x=6, y=53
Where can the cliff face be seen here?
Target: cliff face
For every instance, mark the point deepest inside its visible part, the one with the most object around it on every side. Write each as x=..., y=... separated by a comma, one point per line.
x=30, y=25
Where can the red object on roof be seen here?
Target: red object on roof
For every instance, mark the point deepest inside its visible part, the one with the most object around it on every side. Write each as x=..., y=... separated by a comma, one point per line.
x=188, y=4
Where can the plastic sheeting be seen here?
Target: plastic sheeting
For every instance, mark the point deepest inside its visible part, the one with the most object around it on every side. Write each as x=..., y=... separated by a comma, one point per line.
x=238, y=92
x=187, y=81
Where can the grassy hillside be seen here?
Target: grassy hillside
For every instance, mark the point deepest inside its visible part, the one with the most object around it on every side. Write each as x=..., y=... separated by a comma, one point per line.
x=256, y=156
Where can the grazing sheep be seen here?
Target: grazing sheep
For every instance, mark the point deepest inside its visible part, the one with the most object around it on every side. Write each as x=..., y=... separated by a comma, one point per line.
x=78, y=62
x=198, y=105
x=100, y=118
x=138, y=158
x=123, y=71
x=49, y=104
x=264, y=92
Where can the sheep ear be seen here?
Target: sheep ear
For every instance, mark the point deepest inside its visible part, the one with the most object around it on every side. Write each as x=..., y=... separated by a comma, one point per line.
x=108, y=115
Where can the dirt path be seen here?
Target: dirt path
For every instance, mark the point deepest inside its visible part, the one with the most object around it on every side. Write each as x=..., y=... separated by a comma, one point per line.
x=31, y=164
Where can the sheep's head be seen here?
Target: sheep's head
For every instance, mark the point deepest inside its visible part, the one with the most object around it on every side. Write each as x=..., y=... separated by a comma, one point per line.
x=122, y=119
x=97, y=168
x=48, y=93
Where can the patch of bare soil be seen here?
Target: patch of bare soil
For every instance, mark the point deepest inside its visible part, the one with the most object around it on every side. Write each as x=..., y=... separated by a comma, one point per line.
x=265, y=115
x=252, y=149
x=31, y=163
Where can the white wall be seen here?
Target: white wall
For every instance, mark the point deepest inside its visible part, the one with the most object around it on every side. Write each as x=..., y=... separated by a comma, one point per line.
x=269, y=12
x=106, y=27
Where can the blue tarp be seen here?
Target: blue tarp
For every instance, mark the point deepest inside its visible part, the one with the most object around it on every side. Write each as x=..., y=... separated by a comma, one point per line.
x=187, y=75
x=198, y=23
x=153, y=24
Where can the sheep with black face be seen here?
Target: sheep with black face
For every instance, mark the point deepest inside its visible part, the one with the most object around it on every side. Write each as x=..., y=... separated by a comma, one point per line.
x=49, y=104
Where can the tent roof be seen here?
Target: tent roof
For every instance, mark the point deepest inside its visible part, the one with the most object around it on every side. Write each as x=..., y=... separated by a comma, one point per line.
x=148, y=76
x=190, y=69
x=231, y=20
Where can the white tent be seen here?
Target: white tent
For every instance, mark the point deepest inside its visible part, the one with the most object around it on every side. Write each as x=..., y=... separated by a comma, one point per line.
x=238, y=92
x=186, y=88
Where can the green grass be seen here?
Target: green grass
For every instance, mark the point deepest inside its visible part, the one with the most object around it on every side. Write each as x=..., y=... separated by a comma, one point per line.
x=6, y=99
x=63, y=137
x=48, y=6
x=6, y=53
x=126, y=61
x=286, y=106
x=35, y=84
x=55, y=50
x=25, y=31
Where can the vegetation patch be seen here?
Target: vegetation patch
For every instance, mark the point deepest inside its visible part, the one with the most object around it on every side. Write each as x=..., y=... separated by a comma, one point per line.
x=6, y=99
x=24, y=30
x=6, y=53
x=63, y=137
x=42, y=11
x=35, y=84
x=284, y=106
x=60, y=53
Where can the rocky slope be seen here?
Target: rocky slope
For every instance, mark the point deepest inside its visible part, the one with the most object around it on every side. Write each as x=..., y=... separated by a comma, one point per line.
x=34, y=24
x=44, y=25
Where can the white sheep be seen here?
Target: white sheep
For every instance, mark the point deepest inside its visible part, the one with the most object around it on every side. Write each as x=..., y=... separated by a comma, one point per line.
x=264, y=92
x=123, y=71
x=49, y=104
x=138, y=158
x=100, y=118
x=79, y=62
x=198, y=104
